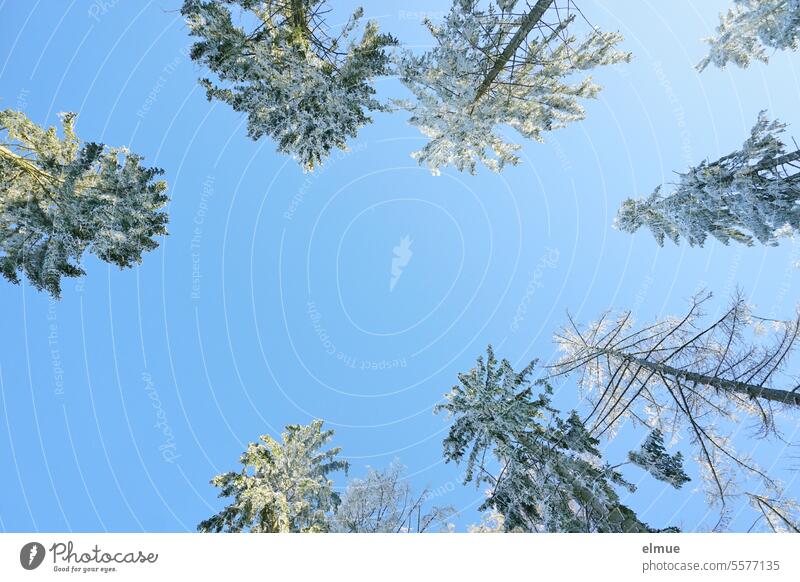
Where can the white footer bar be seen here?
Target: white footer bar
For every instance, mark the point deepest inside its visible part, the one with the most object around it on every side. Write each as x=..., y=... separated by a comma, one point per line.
x=466, y=557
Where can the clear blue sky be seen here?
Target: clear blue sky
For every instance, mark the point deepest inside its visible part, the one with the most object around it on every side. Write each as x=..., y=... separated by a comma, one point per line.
x=270, y=301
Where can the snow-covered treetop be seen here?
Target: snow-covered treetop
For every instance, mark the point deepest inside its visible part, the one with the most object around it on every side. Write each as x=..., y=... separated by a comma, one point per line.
x=543, y=472
x=60, y=197
x=749, y=28
x=282, y=486
x=307, y=87
x=750, y=194
x=688, y=377
x=509, y=64
x=653, y=457
x=383, y=502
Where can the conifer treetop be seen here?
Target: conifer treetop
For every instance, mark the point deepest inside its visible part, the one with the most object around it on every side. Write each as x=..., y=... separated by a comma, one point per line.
x=60, y=198
x=303, y=84
x=750, y=28
x=749, y=195
x=509, y=63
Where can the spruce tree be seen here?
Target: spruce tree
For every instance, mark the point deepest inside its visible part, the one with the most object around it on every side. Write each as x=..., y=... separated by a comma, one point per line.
x=653, y=457
x=282, y=486
x=752, y=194
x=750, y=29
x=507, y=64
x=60, y=197
x=544, y=473
x=305, y=86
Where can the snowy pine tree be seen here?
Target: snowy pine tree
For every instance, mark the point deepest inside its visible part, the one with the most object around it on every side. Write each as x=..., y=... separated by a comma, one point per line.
x=60, y=198
x=305, y=86
x=282, y=487
x=653, y=457
x=505, y=65
x=543, y=473
x=749, y=28
x=750, y=194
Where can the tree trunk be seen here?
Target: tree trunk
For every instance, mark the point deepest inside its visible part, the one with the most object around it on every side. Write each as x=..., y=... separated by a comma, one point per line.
x=752, y=390
x=768, y=164
x=299, y=19
x=525, y=26
x=775, y=162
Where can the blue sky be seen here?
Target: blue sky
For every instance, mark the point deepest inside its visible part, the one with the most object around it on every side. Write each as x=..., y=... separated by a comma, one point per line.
x=271, y=302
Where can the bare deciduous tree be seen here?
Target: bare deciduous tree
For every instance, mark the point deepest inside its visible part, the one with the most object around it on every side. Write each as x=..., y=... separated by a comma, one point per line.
x=688, y=374
x=780, y=515
x=383, y=502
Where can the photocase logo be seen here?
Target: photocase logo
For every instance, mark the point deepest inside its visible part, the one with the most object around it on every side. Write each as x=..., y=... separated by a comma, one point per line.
x=31, y=555
x=402, y=255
